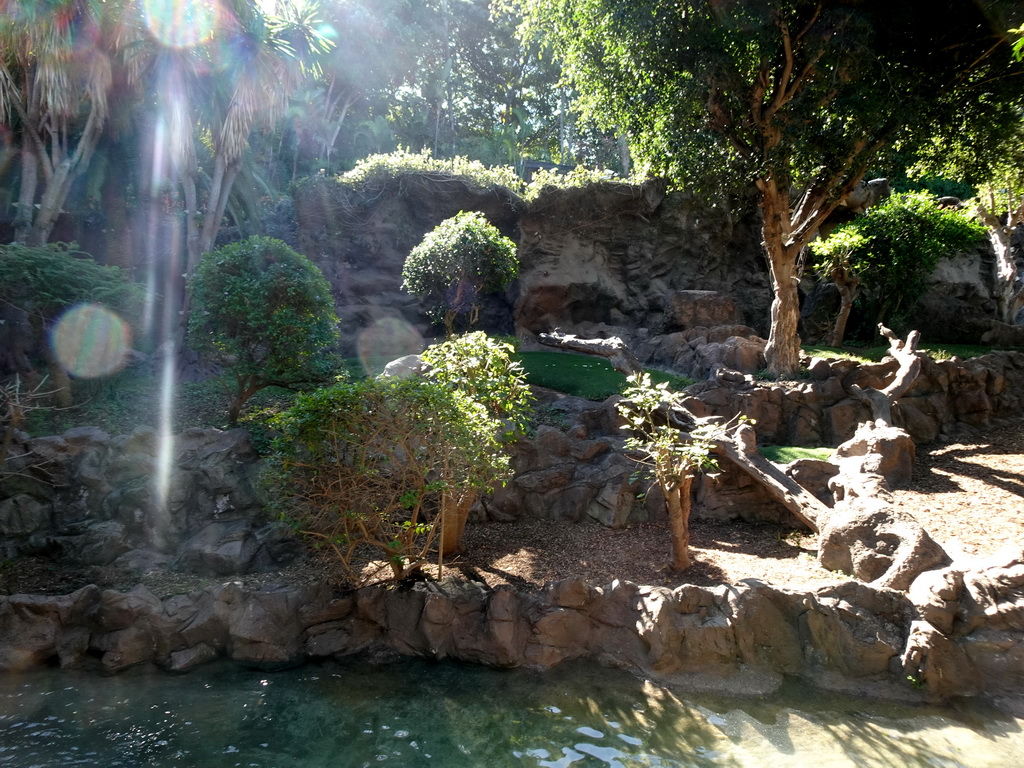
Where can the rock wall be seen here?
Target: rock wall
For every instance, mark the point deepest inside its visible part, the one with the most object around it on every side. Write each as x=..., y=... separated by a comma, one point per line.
x=616, y=254
x=948, y=395
x=958, y=633
x=606, y=257
x=576, y=467
x=94, y=499
x=360, y=239
x=610, y=253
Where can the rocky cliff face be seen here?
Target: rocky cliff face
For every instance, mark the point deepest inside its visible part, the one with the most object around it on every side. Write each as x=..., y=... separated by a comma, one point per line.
x=360, y=239
x=90, y=498
x=604, y=259
x=615, y=254
x=608, y=253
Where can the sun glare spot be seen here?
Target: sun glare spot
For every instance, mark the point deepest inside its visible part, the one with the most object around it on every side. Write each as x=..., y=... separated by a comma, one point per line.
x=181, y=23
x=165, y=448
x=91, y=341
x=387, y=339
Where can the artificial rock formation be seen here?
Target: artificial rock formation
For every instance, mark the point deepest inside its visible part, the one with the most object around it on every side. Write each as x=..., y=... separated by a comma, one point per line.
x=97, y=500
x=959, y=633
x=866, y=535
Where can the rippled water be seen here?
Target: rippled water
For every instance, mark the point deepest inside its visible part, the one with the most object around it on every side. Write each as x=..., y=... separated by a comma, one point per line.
x=420, y=714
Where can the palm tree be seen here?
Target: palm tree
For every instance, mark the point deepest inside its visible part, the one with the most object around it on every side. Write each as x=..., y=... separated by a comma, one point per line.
x=57, y=59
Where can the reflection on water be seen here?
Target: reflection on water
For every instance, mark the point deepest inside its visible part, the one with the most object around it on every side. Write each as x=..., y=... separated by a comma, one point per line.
x=420, y=714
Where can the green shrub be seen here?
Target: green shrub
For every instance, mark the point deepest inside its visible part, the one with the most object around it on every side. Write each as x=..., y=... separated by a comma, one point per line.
x=577, y=177
x=483, y=368
x=460, y=259
x=266, y=314
x=47, y=279
x=373, y=470
x=44, y=281
x=379, y=170
x=888, y=253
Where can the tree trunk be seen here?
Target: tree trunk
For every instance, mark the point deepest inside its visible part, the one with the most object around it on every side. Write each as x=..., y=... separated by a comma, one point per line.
x=1009, y=298
x=454, y=514
x=783, y=350
x=27, y=193
x=66, y=168
x=118, y=228
x=60, y=383
x=848, y=291
x=677, y=499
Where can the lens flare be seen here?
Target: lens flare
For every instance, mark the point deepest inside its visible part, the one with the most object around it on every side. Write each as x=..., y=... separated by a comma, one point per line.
x=90, y=341
x=387, y=339
x=181, y=23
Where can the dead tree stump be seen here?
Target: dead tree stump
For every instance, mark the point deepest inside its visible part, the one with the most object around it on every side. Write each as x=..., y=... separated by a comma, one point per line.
x=867, y=536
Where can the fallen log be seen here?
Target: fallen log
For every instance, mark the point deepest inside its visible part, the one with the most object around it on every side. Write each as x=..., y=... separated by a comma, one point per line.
x=804, y=506
x=613, y=348
x=881, y=401
x=742, y=451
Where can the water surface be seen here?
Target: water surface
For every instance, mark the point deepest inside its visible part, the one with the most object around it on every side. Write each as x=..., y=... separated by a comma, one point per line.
x=421, y=714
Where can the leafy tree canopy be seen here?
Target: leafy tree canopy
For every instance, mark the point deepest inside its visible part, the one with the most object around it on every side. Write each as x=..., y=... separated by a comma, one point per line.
x=790, y=95
x=890, y=251
x=458, y=260
x=266, y=313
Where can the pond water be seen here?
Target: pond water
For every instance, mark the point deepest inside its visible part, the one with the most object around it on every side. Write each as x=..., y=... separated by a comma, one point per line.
x=420, y=714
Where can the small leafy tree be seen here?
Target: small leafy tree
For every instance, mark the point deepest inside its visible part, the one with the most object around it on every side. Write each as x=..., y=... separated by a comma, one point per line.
x=264, y=312
x=373, y=469
x=458, y=260
x=890, y=251
x=482, y=368
x=675, y=458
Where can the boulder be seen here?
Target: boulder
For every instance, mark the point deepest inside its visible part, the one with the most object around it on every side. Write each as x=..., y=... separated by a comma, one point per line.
x=405, y=367
x=886, y=452
x=873, y=541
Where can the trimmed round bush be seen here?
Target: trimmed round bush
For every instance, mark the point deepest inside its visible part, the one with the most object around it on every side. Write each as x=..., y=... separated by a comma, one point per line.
x=266, y=314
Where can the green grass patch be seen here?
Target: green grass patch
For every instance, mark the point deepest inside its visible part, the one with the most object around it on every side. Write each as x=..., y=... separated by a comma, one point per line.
x=876, y=353
x=584, y=376
x=783, y=454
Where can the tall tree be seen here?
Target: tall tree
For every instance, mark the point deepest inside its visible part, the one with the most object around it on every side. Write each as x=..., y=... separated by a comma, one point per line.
x=798, y=97
x=993, y=162
x=57, y=59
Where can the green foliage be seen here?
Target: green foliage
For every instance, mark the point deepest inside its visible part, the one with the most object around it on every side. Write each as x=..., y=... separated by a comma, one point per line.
x=674, y=457
x=461, y=258
x=377, y=171
x=364, y=468
x=719, y=93
x=47, y=279
x=671, y=456
x=484, y=369
x=265, y=312
x=584, y=376
x=781, y=95
x=894, y=247
x=577, y=177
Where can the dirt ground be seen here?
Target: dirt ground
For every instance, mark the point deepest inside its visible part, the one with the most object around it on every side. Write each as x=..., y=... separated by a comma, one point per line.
x=968, y=493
